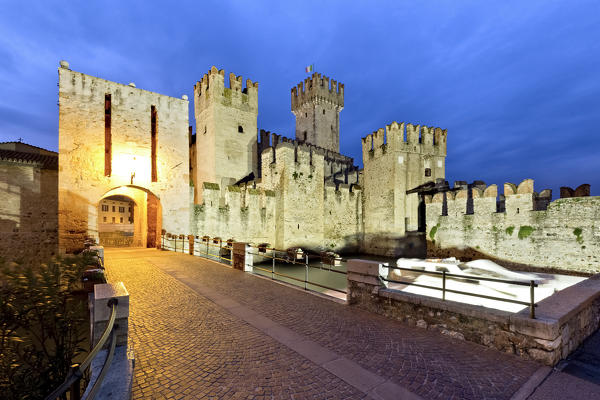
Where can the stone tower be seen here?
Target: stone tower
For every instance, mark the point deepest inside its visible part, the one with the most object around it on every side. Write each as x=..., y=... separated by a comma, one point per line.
x=226, y=129
x=395, y=161
x=317, y=103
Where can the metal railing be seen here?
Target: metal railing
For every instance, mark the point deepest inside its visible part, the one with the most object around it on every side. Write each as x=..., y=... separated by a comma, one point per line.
x=292, y=258
x=73, y=380
x=203, y=244
x=532, y=285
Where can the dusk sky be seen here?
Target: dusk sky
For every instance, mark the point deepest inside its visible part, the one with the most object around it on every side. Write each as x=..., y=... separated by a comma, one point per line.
x=516, y=83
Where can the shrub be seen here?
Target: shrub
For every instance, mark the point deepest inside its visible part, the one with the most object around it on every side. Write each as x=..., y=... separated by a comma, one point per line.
x=525, y=231
x=43, y=324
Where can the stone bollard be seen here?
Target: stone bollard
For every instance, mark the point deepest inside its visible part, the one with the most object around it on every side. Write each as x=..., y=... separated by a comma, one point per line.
x=103, y=293
x=364, y=282
x=242, y=258
x=118, y=380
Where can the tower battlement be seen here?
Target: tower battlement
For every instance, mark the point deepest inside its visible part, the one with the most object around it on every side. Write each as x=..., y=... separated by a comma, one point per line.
x=317, y=89
x=406, y=138
x=212, y=88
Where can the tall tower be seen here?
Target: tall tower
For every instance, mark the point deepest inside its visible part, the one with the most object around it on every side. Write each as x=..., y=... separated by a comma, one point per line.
x=226, y=129
x=398, y=159
x=317, y=103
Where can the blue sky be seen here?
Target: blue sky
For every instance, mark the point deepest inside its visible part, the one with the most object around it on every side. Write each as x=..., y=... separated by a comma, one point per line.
x=516, y=83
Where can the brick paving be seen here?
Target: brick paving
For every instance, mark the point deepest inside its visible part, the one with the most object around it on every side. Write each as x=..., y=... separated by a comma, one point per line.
x=187, y=346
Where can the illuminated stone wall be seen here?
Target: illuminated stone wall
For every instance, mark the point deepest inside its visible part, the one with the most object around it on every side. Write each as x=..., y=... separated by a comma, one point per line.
x=528, y=233
x=82, y=181
x=28, y=211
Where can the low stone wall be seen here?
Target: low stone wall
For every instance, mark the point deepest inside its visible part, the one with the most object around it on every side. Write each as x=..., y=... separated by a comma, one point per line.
x=562, y=321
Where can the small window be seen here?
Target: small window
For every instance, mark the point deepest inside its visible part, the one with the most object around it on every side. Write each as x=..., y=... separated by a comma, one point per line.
x=306, y=114
x=104, y=219
x=323, y=111
x=427, y=171
x=129, y=209
x=121, y=209
x=113, y=220
x=113, y=210
x=240, y=129
x=121, y=219
x=104, y=207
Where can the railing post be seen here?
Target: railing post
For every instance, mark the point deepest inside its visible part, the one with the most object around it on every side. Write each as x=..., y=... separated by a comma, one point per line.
x=103, y=293
x=306, y=272
x=220, y=246
x=273, y=267
x=532, y=300
x=443, y=285
x=175, y=249
x=76, y=386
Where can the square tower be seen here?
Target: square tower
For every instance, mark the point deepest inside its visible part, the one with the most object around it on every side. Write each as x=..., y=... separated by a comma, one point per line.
x=317, y=103
x=226, y=129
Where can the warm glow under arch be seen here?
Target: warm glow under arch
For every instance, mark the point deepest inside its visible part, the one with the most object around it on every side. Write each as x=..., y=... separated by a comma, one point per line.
x=147, y=213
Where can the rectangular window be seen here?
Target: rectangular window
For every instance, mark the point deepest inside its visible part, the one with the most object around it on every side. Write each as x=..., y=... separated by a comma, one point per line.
x=113, y=220
x=107, y=135
x=104, y=219
x=427, y=171
x=113, y=208
x=121, y=209
x=104, y=207
x=129, y=209
x=154, y=128
x=121, y=219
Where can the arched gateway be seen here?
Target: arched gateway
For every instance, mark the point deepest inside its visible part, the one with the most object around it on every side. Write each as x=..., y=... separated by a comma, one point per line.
x=129, y=216
x=120, y=144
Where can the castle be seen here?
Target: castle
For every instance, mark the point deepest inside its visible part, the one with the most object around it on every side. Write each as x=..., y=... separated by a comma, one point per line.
x=230, y=179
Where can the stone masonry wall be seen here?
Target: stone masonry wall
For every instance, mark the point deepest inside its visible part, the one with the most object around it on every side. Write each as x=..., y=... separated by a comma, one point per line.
x=565, y=236
x=28, y=212
x=223, y=153
x=240, y=213
x=563, y=321
x=395, y=161
x=82, y=182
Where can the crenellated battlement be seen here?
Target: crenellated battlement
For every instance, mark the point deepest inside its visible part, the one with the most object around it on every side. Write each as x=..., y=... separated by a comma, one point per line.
x=405, y=138
x=317, y=89
x=212, y=88
x=479, y=199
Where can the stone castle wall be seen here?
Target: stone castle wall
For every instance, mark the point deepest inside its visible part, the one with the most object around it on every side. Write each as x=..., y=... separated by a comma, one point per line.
x=565, y=236
x=395, y=161
x=242, y=213
x=28, y=212
x=289, y=206
x=317, y=103
x=226, y=126
x=82, y=181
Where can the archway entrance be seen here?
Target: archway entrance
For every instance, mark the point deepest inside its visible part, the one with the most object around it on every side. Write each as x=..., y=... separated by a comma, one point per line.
x=129, y=216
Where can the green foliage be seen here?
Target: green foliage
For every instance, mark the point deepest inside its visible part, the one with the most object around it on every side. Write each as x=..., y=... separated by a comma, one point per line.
x=210, y=185
x=578, y=232
x=191, y=183
x=310, y=176
x=525, y=231
x=270, y=193
x=198, y=209
x=296, y=175
x=43, y=324
x=433, y=231
x=233, y=188
x=509, y=230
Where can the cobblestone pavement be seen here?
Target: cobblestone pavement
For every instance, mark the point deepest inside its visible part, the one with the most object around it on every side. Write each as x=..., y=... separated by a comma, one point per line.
x=187, y=344
x=188, y=347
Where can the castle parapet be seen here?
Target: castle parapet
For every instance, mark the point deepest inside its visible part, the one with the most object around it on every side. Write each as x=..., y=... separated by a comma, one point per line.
x=581, y=191
x=406, y=138
x=317, y=88
x=212, y=88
